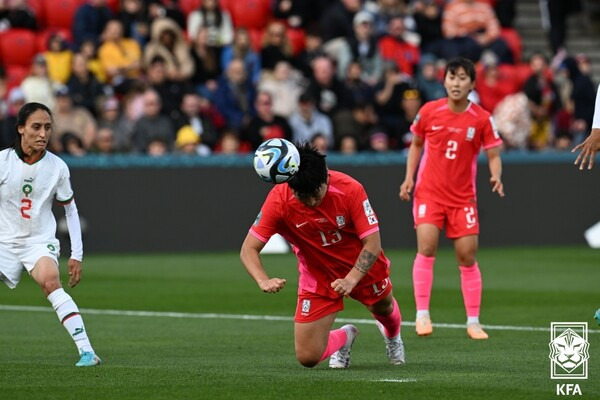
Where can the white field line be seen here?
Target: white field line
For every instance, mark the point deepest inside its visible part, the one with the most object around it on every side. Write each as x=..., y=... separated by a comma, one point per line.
x=167, y=314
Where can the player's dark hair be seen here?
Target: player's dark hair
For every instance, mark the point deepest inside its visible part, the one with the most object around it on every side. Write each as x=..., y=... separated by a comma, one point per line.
x=460, y=62
x=22, y=117
x=312, y=173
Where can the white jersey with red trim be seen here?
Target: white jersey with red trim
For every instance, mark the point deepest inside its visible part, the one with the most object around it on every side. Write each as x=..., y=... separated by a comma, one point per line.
x=26, y=195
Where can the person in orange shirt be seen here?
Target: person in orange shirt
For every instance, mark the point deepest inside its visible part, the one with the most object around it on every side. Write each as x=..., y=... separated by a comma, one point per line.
x=119, y=56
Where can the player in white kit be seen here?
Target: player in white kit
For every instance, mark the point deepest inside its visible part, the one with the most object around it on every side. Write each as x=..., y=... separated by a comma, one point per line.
x=31, y=178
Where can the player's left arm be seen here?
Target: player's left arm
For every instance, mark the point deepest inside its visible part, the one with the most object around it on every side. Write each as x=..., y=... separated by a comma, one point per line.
x=495, y=164
x=74, y=227
x=367, y=257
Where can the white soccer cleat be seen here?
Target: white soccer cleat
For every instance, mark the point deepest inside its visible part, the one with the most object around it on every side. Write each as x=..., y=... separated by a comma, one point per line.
x=394, y=346
x=341, y=358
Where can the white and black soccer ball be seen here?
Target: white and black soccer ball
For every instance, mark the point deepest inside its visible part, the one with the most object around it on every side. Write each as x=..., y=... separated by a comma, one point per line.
x=276, y=161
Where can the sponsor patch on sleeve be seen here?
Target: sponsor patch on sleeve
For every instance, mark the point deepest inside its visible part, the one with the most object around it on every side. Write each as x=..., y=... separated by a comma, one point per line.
x=372, y=219
x=368, y=209
x=257, y=220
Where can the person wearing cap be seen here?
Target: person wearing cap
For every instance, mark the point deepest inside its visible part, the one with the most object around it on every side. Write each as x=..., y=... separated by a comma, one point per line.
x=188, y=142
x=71, y=119
x=38, y=87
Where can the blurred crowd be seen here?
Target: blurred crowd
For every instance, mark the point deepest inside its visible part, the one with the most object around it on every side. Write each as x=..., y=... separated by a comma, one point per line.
x=202, y=77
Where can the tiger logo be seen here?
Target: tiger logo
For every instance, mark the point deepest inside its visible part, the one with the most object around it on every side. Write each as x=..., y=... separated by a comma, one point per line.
x=569, y=350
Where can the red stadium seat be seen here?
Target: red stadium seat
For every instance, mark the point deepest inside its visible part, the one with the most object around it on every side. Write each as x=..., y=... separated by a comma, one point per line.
x=187, y=6
x=42, y=37
x=297, y=38
x=60, y=13
x=256, y=38
x=37, y=6
x=513, y=40
x=114, y=5
x=18, y=47
x=250, y=13
x=15, y=75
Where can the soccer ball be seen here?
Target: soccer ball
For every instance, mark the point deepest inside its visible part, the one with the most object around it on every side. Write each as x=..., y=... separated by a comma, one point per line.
x=276, y=161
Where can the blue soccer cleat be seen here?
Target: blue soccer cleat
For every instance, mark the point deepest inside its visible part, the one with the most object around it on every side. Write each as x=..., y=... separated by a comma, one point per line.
x=88, y=359
x=597, y=316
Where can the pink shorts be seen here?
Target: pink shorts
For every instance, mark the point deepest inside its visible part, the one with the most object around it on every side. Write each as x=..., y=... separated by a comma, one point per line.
x=459, y=221
x=312, y=307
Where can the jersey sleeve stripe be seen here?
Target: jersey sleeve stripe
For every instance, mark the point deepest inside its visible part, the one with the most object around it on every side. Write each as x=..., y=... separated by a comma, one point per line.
x=258, y=236
x=70, y=199
x=367, y=233
x=494, y=144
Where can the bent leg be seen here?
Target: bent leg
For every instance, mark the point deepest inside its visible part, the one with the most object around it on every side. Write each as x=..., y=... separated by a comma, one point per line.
x=313, y=340
x=46, y=274
x=387, y=312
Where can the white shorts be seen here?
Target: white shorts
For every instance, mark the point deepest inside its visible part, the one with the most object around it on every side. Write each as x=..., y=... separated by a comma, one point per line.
x=14, y=258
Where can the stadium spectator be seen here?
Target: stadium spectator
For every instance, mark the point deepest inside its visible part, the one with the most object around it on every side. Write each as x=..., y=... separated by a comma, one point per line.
x=104, y=143
x=428, y=21
x=379, y=142
x=494, y=81
x=358, y=90
x=153, y=133
x=265, y=124
x=544, y=100
x=320, y=143
x=34, y=228
x=121, y=58
x=90, y=20
x=313, y=49
x=329, y=93
x=235, y=95
x=336, y=21
x=16, y=14
x=401, y=134
x=38, y=87
x=348, y=145
x=84, y=88
x=394, y=47
x=89, y=50
x=167, y=41
x=307, y=121
x=166, y=9
x=215, y=20
x=388, y=97
x=445, y=191
x=170, y=91
x=427, y=82
x=189, y=115
x=362, y=48
x=58, y=59
x=15, y=100
x=242, y=50
x=554, y=19
x=513, y=120
x=470, y=27
x=72, y=145
x=135, y=21
x=71, y=119
x=229, y=143
x=383, y=11
x=189, y=142
x=337, y=258
x=296, y=13
x=591, y=145
x=285, y=86
x=276, y=46
x=207, y=59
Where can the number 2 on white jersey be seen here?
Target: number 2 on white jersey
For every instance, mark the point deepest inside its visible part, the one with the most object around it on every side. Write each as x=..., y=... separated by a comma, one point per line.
x=26, y=206
x=451, y=149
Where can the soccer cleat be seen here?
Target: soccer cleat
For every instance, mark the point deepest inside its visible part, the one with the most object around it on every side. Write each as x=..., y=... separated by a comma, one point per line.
x=393, y=346
x=341, y=358
x=475, y=331
x=88, y=359
x=423, y=326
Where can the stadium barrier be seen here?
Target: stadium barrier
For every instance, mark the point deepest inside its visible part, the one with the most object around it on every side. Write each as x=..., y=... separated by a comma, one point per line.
x=171, y=204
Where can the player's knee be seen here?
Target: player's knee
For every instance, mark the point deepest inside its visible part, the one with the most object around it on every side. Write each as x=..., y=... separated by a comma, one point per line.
x=307, y=360
x=466, y=261
x=427, y=250
x=50, y=285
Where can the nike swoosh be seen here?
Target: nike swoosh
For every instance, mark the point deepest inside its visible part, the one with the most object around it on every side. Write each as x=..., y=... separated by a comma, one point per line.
x=302, y=224
x=436, y=128
x=469, y=226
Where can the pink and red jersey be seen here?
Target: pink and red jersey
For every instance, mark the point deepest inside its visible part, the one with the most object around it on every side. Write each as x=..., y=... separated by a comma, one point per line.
x=453, y=141
x=326, y=239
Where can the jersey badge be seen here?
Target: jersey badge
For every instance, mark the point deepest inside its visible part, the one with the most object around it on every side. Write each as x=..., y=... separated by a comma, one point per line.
x=257, y=220
x=341, y=221
x=470, y=133
x=27, y=189
x=372, y=219
x=367, y=207
x=305, y=306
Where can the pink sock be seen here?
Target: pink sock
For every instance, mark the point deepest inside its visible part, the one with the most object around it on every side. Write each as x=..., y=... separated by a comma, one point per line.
x=337, y=339
x=470, y=279
x=423, y=280
x=391, y=322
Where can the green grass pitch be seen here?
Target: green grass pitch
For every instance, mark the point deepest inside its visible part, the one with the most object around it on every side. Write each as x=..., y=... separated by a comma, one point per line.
x=207, y=350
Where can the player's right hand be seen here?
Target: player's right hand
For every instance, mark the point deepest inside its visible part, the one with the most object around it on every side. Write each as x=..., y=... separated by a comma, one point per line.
x=406, y=189
x=272, y=285
x=589, y=148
